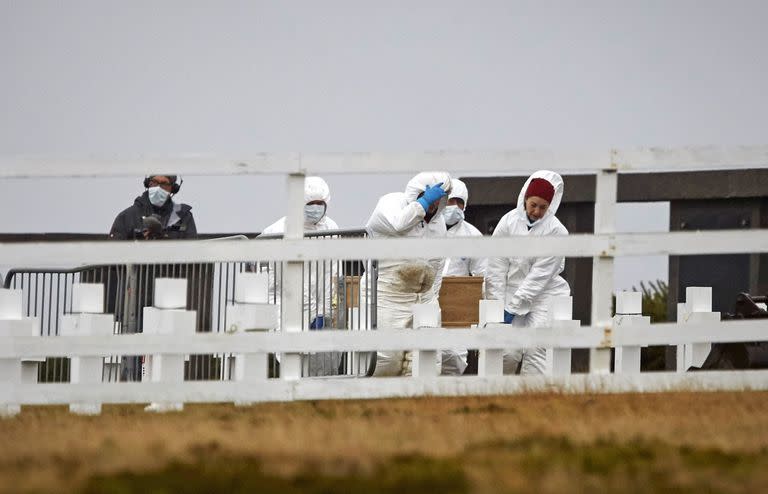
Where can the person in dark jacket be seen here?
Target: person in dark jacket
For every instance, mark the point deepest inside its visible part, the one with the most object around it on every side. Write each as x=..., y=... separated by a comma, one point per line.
x=154, y=214
x=130, y=288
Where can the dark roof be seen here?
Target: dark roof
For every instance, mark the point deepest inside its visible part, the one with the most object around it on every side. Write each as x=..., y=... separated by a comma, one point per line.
x=633, y=187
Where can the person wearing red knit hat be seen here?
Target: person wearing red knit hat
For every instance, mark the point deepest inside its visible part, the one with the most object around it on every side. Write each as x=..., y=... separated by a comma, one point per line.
x=526, y=284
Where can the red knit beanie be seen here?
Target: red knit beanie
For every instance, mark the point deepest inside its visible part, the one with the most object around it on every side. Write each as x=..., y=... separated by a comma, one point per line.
x=540, y=188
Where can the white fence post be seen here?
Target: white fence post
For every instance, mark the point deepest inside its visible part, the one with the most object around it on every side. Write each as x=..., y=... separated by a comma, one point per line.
x=696, y=309
x=602, y=268
x=251, y=312
x=490, y=362
x=560, y=314
x=629, y=308
x=12, y=323
x=87, y=318
x=168, y=316
x=426, y=363
x=292, y=300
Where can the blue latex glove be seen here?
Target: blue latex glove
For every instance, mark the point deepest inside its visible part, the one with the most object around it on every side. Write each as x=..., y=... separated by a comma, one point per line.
x=431, y=195
x=318, y=322
x=509, y=317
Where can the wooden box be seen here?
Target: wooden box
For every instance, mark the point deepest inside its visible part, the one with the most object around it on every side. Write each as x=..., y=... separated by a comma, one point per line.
x=353, y=290
x=460, y=300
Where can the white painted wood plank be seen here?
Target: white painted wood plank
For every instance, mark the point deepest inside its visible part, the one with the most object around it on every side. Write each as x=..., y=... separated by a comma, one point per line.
x=292, y=297
x=522, y=161
x=602, y=266
x=416, y=339
x=629, y=244
x=371, y=388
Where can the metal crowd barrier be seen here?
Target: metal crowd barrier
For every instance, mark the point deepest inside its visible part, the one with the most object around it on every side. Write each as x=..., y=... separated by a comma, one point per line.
x=343, y=292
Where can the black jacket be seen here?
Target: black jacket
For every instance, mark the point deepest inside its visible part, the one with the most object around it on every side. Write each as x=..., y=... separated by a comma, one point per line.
x=176, y=219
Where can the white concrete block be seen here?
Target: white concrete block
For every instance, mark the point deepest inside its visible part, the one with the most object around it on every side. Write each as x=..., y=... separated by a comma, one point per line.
x=694, y=354
x=10, y=371
x=491, y=311
x=170, y=293
x=83, y=324
x=629, y=303
x=680, y=359
x=599, y=360
x=251, y=367
x=29, y=370
x=28, y=326
x=561, y=361
x=698, y=298
x=290, y=366
x=167, y=368
x=560, y=308
x=702, y=317
x=86, y=369
x=11, y=305
x=627, y=358
x=490, y=363
x=88, y=298
x=426, y=315
x=169, y=321
x=252, y=317
x=426, y=363
x=252, y=288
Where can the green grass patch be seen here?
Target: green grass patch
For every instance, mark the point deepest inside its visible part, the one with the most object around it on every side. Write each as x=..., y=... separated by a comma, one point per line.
x=238, y=475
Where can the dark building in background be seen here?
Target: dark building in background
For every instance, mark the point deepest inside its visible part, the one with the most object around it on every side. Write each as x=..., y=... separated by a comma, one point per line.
x=701, y=200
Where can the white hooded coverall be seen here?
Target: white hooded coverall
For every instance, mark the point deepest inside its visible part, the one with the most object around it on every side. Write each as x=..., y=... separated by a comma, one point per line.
x=463, y=266
x=526, y=283
x=403, y=283
x=317, y=297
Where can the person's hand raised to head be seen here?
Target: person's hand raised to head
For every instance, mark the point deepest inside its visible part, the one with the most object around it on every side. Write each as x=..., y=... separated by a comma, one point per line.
x=431, y=195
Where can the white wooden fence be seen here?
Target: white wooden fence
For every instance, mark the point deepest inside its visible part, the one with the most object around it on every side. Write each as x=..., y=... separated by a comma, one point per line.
x=605, y=333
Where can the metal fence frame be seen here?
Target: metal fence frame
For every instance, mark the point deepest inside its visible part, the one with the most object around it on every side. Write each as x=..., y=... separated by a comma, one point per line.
x=128, y=288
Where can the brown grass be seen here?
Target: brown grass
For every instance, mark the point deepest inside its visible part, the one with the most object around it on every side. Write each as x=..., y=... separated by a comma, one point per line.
x=536, y=443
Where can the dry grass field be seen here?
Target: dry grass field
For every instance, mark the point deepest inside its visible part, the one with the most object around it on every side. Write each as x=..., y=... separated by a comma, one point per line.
x=713, y=442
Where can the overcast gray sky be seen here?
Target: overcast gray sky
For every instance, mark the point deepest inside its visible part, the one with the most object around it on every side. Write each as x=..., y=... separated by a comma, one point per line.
x=109, y=77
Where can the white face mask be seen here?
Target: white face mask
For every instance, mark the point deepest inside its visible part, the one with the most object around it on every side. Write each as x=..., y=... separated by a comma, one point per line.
x=158, y=196
x=313, y=213
x=452, y=215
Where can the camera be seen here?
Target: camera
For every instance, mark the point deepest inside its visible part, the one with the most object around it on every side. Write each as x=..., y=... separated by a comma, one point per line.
x=152, y=229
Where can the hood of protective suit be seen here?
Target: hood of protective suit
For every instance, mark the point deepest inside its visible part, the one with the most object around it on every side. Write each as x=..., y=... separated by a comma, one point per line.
x=459, y=191
x=418, y=184
x=557, y=182
x=316, y=189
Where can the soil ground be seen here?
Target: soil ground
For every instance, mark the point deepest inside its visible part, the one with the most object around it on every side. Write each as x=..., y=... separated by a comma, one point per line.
x=683, y=442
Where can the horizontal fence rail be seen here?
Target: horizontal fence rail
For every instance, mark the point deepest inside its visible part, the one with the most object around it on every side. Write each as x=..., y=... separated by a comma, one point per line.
x=386, y=339
x=602, y=245
x=504, y=162
x=394, y=387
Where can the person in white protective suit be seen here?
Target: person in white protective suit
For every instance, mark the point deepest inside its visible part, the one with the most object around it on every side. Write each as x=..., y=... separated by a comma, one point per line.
x=525, y=284
x=417, y=212
x=458, y=227
x=317, y=296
